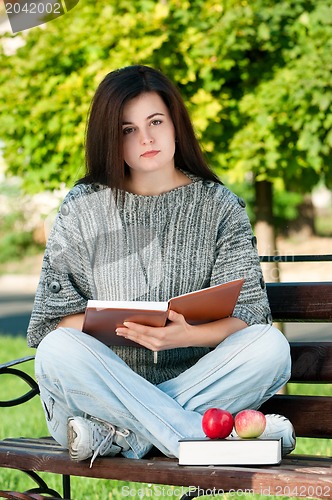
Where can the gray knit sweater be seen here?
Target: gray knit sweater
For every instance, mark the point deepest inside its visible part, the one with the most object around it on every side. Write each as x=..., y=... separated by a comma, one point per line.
x=147, y=248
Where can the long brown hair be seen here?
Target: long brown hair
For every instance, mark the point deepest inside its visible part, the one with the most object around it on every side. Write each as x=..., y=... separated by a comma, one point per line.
x=104, y=137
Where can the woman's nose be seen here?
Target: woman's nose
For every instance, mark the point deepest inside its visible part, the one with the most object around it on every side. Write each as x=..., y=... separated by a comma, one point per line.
x=146, y=138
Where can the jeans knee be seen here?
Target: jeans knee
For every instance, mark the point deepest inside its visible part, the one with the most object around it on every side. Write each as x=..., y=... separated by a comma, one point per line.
x=55, y=348
x=277, y=358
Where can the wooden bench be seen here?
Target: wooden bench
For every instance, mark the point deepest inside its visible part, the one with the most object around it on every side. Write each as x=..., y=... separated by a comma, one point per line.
x=297, y=476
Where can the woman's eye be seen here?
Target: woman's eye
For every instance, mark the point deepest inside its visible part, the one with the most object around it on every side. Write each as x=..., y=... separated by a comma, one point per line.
x=156, y=122
x=127, y=130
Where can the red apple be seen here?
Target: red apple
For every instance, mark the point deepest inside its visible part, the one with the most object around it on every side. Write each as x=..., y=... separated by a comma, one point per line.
x=217, y=423
x=249, y=423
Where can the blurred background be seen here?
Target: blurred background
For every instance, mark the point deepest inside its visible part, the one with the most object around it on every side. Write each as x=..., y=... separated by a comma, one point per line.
x=256, y=77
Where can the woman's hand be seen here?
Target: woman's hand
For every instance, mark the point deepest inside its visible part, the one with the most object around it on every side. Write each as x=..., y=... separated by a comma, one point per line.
x=177, y=333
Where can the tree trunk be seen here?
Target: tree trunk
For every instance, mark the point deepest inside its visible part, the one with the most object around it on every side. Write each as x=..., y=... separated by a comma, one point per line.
x=266, y=237
x=264, y=228
x=303, y=227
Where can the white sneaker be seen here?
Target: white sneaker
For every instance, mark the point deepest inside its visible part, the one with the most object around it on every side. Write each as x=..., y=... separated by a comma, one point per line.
x=90, y=436
x=278, y=426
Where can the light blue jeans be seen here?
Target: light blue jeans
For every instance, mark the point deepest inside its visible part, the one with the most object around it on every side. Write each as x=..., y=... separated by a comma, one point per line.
x=78, y=374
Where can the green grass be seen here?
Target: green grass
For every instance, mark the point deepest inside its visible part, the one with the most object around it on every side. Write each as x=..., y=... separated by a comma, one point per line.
x=29, y=421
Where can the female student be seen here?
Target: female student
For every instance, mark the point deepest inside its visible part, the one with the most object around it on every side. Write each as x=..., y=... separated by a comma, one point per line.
x=150, y=221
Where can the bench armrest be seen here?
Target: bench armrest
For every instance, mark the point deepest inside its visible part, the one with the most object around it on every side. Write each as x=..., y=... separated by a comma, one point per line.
x=7, y=368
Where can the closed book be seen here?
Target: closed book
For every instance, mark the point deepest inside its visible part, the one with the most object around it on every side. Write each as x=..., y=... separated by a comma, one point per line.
x=234, y=451
x=102, y=317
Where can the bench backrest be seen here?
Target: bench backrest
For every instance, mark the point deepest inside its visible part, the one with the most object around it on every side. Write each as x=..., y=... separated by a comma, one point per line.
x=311, y=361
x=306, y=302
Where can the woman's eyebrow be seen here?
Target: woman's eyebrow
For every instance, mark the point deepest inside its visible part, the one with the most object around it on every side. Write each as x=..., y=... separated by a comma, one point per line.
x=154, y=114
x=147, y=118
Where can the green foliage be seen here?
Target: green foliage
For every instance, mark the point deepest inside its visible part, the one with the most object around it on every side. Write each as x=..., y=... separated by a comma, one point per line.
x=16, y=240
x=287, y=120
x=323, y=224
x=14, y=245
x=255, y=76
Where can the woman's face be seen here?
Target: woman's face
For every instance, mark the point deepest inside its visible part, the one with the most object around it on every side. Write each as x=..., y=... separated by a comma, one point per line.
x=148, y=134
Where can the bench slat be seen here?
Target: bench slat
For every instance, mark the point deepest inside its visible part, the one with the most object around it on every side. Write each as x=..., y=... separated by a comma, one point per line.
x=293, y=477
x=311, y=361
x=300, y=301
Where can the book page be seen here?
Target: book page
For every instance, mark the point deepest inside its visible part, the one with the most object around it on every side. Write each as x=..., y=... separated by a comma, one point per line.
x=125, y=304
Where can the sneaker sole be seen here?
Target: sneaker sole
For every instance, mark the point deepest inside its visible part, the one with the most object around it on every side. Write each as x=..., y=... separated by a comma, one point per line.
x=71, y=435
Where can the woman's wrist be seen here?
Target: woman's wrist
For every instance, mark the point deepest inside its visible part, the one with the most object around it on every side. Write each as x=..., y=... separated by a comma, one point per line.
x=211, y=334
x=73, y=321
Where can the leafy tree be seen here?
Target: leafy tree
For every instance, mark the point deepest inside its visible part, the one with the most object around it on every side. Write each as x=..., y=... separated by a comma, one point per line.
x=255, y=75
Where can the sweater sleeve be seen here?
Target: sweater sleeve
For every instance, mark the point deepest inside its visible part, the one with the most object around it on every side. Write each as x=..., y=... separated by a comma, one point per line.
x=63, y=288
x=236, y=257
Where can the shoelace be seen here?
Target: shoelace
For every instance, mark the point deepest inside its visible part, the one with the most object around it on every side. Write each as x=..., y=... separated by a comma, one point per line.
x=108, y=439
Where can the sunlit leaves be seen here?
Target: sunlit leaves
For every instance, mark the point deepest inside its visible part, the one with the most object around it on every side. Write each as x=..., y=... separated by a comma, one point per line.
x=255, y=75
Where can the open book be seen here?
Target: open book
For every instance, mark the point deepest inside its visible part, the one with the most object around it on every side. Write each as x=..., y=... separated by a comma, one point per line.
x=231, y=451
x=202, y=306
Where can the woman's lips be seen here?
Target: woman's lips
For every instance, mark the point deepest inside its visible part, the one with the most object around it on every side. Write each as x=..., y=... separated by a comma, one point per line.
x=150, y=154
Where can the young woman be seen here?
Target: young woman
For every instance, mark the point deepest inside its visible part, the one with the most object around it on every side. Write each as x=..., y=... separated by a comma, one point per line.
x=150, y=221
